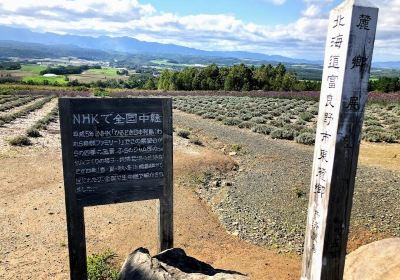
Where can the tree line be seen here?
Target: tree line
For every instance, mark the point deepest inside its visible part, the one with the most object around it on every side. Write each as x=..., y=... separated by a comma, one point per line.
x=9, y=65
x=68, y=70
x=235, y=78
x=239, y=77
x=385, y=84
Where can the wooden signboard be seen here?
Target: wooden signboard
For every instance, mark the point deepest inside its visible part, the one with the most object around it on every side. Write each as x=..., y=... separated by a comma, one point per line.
x=115, y=150
x=344, y=93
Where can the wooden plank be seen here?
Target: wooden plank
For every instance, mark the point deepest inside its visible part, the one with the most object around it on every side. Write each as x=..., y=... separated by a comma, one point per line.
x=344, y=93
x=75, y=213
x=166, y=231
x=117, y=148
x=119, y=193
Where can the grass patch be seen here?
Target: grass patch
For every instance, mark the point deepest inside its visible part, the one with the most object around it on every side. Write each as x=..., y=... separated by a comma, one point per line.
x=299, y=192
x=20, y=140
x=232, y=121
x=59, y=80
x=109, y=71
x=306, y=138
x=236, y=147
x=100, y=266
x=33, y=132
x=281, y=133
x=33, y=68
x=377, y=136
x=263, y=129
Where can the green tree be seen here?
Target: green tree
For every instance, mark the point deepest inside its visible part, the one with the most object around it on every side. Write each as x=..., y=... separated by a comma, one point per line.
x=164, y=80
x=264, y=77
x=240, y=77
x=150, y=84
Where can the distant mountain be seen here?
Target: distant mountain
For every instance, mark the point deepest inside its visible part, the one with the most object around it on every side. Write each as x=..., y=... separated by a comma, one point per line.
x=388, y=64
x=130, y=45
x=34, y=50
x=106, y=48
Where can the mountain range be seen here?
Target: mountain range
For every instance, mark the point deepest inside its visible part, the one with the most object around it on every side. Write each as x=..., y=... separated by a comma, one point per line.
x=104, y=47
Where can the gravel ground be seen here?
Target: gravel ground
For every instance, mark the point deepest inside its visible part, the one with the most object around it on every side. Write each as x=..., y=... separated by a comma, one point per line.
x=266, y=201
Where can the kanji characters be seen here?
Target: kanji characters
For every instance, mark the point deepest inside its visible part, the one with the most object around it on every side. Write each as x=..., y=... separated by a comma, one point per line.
x=338, y=21
x=332, y=81
x=359, y=61
x=334, y=62
x=364, y=22
x=337, y=41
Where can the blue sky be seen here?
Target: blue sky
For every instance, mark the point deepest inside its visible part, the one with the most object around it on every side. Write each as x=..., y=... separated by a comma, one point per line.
x=294, y=28
x=257, y=11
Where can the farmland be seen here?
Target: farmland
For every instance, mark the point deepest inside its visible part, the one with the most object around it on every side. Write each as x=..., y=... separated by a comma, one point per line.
x=33, y=68
x=59, y=80
x=287, y=119
x=31, y=74
x=248, y=159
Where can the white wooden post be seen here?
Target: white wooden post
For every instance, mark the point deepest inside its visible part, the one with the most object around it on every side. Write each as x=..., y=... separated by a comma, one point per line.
x=348, y=56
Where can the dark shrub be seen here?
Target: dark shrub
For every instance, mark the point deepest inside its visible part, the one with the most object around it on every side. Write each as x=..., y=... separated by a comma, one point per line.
x=306, y=116
x=232, y=121
x=183, y=134
x=262, y=129
x=258, y=120
x=32, y=132
x=20, y=140
x=281, y=133
x=306, y=138
x=372, y=122
x=246, y=125
x=376, y=136
x=374, y=128
x=246, y=117
x=196, y=141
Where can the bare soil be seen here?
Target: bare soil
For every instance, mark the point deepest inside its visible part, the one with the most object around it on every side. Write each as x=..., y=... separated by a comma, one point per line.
x=33, y=229
x=266, y=202
x=33, y=238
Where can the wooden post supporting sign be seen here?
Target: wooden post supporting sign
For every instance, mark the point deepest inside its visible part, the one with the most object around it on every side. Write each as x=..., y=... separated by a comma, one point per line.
x=115, y=150
x=344, y=92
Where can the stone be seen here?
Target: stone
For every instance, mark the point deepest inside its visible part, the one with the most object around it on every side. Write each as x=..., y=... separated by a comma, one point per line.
x=216, y=183
x=232, y=153
x=172, y=264
x=376, y=261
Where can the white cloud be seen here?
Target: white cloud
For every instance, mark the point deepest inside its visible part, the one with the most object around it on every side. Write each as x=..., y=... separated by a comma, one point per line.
x=69, y=9
x=278, y=2
x=275, y=2
x=303, y=38
x=311, y=11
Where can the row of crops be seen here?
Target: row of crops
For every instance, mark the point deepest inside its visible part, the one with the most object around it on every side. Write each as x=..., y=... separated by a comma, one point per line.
x=13, y=107
x=288, y=119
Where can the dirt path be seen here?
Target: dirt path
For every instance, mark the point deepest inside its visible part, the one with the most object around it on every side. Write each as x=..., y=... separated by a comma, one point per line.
x=20, y=125
x=268, y=200
x=33, y=229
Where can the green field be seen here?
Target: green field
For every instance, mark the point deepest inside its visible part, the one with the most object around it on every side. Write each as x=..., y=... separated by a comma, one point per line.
x=60, y=80
x=33, y=68
x=168, y=63
x=110, y=72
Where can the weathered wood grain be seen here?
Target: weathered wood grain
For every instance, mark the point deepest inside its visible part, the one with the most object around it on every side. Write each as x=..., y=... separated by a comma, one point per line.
x=115, y=150
x=344, y=93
